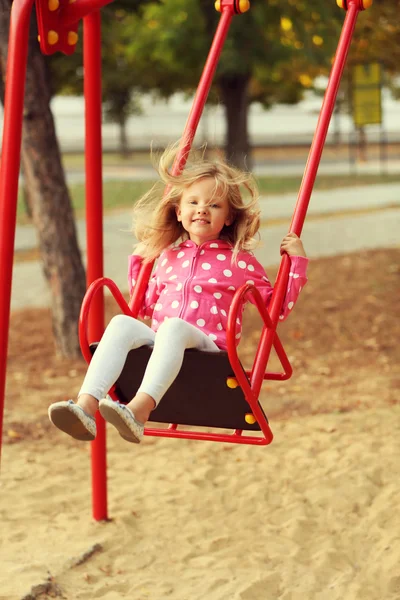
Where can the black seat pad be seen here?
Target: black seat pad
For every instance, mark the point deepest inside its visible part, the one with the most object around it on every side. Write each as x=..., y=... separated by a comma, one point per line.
x=199, y=395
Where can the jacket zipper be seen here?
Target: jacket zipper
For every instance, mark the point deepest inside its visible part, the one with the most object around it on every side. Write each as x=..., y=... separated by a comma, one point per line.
x=184, y=303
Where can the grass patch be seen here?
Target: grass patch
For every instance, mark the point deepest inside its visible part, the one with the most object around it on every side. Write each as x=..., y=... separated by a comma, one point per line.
x=121, y=195
x=283, y=185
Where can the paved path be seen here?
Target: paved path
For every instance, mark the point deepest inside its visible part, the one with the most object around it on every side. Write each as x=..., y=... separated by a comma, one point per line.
x=329, y=231
x=278, y=167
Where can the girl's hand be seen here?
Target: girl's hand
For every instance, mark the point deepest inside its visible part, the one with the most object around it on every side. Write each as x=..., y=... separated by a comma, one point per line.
x=292, y=245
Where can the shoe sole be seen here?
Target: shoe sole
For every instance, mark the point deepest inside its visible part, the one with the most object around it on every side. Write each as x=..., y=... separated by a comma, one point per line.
x=68, y=422
x=111, y=416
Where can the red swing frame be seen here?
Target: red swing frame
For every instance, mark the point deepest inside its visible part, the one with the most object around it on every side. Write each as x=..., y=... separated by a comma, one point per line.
x=66, y=17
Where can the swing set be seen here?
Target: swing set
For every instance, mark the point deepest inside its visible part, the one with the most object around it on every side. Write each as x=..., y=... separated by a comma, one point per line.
x=225, y=397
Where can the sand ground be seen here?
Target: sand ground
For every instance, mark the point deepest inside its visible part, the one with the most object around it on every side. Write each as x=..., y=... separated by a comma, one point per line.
x=313, y=516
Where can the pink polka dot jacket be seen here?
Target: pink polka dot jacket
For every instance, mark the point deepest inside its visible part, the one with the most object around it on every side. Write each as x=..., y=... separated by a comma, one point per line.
x=197, y=284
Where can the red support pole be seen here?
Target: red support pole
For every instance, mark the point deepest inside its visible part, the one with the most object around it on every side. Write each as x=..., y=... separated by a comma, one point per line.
x=327, y=108
x=310, y=173
x=94, y=233
x=9, y=170
x=203, y=89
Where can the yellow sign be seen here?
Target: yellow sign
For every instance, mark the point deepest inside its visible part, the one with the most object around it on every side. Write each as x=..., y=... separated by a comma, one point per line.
x=366, y=94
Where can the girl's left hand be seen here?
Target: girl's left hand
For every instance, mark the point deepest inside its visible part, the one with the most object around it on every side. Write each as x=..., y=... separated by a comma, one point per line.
x=292, y=245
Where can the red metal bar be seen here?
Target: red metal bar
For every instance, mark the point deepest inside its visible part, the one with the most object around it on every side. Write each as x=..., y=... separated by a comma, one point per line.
x=209, y=437
x=9, y=170
x=75, y=11
x=91, y=292
x=94, y=232
x=327, y=108
x=189, y=132
x=203, y=89
x=310, y=173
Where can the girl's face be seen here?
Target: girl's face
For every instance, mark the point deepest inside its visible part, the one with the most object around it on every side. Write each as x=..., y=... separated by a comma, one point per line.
x=203, y=212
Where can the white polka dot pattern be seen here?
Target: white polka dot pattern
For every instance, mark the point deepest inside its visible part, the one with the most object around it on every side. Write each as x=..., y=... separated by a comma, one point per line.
x=197, y=285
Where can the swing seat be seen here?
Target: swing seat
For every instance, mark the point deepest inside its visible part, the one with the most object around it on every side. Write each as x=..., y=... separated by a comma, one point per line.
x=200, y=396
x=212, y=389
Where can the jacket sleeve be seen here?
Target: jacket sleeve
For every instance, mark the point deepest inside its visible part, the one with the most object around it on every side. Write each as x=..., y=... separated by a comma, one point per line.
x=256, y=274
x=152, y=292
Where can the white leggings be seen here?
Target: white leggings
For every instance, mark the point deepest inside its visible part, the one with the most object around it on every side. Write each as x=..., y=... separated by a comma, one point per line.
x=125, y=333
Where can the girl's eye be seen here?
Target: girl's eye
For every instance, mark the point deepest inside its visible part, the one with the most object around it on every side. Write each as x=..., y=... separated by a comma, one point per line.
x=214, y=205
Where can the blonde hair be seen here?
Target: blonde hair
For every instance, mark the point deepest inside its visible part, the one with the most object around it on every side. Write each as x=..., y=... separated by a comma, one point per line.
x=155, y=222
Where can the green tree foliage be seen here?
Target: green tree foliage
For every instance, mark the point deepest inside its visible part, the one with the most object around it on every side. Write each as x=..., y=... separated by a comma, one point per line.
x=377, y=36
x=119, y=77
x=272, y=53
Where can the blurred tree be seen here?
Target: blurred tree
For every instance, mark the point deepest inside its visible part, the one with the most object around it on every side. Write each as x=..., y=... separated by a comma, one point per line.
x=120, y=86
x=271, y=55
x=377, y=36
x=48, y=195
x=45, y=184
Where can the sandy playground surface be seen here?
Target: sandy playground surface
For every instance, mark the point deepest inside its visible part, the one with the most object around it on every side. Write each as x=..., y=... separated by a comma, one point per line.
x=313, y=516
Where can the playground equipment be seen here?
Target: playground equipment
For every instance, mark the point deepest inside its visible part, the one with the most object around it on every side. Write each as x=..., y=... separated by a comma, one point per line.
x=58, y=21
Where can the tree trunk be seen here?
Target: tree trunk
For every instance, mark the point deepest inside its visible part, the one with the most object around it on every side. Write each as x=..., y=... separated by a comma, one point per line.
x=234, y=91
x=50, y=202
x=123, y=138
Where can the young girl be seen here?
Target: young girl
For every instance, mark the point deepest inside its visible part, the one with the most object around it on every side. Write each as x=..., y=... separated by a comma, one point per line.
x=202, y=231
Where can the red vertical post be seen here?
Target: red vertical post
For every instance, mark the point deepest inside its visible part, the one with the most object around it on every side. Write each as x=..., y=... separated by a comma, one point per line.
x=307, y=184
x=9, y=170
x=94, y=232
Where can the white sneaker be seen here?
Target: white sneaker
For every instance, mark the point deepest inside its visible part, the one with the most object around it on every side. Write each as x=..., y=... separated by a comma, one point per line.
x=72, y=419
x=123, y=420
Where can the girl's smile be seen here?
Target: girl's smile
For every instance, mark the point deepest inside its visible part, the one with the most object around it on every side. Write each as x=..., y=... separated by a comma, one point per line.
x=203, y=212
